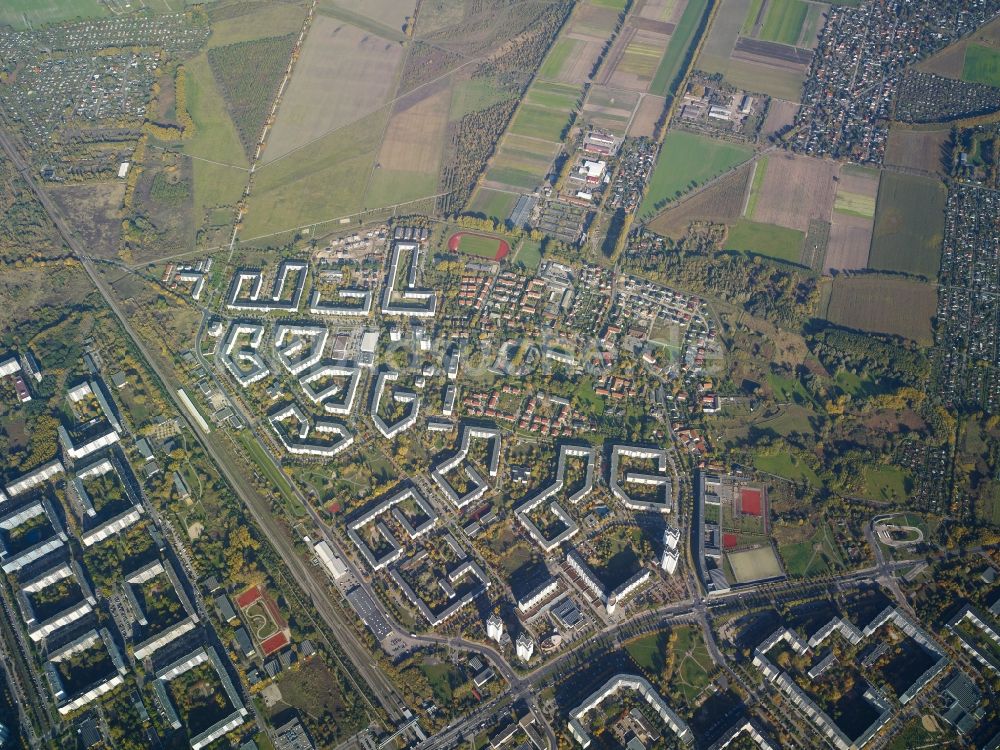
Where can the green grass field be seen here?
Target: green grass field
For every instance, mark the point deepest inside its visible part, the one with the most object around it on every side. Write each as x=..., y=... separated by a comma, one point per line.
x=812, y=557
x=854, y=204
x=495, y=203
x=783, y=22
x=909, y=225
x=649, y=651
x=766, y=239
x=391, y=186
x=677, y=48
x=760, y=169
x=530, y=254
x=887, y=483
x=788, y=466
x=24, y=14
x=540, y=122
x=687, y=160
x=982, y=65
x=693, y=664
x=472, y=95
x=560, y=52
x=481, y=245
x=324, y=182
x=752, y=12
x=216, y=139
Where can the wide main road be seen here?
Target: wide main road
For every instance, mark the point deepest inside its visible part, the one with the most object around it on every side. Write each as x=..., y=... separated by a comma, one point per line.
x=258, y=506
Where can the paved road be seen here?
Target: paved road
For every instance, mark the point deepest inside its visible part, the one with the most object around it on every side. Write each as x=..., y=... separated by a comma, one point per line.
x=258, y=506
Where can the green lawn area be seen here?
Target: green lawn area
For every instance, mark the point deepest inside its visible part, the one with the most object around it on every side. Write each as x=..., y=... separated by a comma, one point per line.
x=649, y=651
x=982, y=65
x=760, y=169
x=495, y=203
x=783, y=22
x=788, y=466
x=769, y=240
x=793, y=418
x=694, y=665
x=530, y=254
x=391, y=186
x=481, y=245
x=887, y=483
x=588, y=398
x=22, y=14
x=811, y=557
x=677, y=48
x=439, y=676
x=687, y=160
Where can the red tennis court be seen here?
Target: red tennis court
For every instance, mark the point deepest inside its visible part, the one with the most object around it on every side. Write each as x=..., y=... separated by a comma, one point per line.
x=750, y=501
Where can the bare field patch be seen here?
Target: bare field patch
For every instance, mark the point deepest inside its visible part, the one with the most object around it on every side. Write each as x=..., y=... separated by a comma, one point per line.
x=796, y=189
x=916, y=149
x=646, y=116
x=850, y=242
x=414, y=138
x=883, y=304
x=95, y=211
x=580, y=61
x=780, y=115
x=722, y=203
x=344, y=73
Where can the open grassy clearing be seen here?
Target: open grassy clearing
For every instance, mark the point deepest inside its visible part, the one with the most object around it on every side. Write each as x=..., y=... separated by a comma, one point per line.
x=765, y=239
x=343, y=74
x=982, y=65
x=649, y=652
x=216, y=140
x=783, y=21
x=788, y=466
x=390, y=13
x=273, y=19
x=812, y=556
x=677, y=48
x=323, y=182
x=887, y=483
x=687, y=160
x=25, y=14
x=883, y=304
x=471, y=95
x=909, y=225
x=529, y=254
x=410, y=156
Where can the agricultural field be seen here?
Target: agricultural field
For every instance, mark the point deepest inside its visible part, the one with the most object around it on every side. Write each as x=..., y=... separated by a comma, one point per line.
x=343, y=74
x=765, y=239
x=678, y=46
x=635, y=58
x=610, y=109
x=951, y=61
x=647, y=114
x=982, y=65
x=409, y=159
x=389, y=13
x=882, y=304
x=853, y=219
x=721, y=203
x=916, y=149
x=521, y=163
x=26, y=14
x=909, y=225
x=783, y=21
x=793, y=190
x=318, y=184
x=544, y=112
x=257, y=22
x=686, y=161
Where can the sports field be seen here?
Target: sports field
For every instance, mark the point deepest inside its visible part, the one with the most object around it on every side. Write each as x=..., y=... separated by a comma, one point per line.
x=909, y=225
x=766, y=239
x=883, y=304
x=783, y=21
x=982, y=65
x=685, y=161
x=482, y=245
x=495, y=203
x=24, y=14
x=755, y=564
